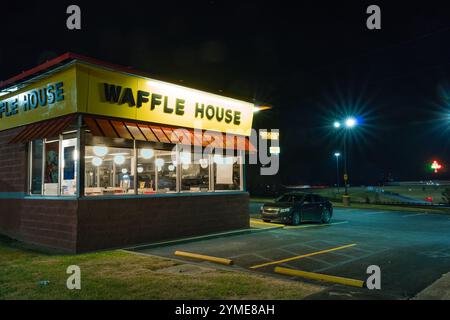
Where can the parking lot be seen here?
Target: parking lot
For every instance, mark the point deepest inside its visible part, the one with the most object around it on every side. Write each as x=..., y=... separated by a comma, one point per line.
x=412, y=250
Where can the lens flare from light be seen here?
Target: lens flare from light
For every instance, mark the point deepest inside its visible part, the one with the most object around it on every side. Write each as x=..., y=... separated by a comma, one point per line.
x=96, y=161
x=100, y=151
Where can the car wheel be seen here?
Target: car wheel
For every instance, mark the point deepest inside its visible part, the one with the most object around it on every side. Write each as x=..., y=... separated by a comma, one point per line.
x=266, y=220
x=295, y=218
x=326, y=215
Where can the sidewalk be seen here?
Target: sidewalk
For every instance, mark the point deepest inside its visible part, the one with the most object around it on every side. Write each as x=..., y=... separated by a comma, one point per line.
x=439, y=290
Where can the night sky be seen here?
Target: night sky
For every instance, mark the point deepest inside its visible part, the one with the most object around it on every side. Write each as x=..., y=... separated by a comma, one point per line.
x=314, y=62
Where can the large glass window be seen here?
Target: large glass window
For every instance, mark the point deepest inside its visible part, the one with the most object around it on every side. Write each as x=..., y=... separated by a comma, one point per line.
x=51, y=167
x=194, y=172
x=69, y=166
x=126, y=167
x=109, y=170
x=227, y=173
x=146, y=171
x=36, y=167
x=166, y=171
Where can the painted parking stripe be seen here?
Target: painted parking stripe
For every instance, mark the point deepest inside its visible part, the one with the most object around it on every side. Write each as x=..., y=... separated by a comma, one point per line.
x=259, y=222
x=320, y=277
x=414, y=215
x=315, y=225
x=302, y=256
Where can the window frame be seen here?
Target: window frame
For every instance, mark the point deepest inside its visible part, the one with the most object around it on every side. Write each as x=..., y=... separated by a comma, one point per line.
x=82, y=140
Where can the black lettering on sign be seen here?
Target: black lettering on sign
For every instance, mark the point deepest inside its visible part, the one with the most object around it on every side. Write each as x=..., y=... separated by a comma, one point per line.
x=128, y=97
x=237, y=118
x=199, y=109
x=59, y=91
x=156, y=101
x=179, y=107
x=209, y=112
x=228, y=116
x=142, y=97
x=42, y=97
x=166, y=108
x=32, y=97
x=112, y=92
x=51, y=96
x=219, y=114
x=2, y=109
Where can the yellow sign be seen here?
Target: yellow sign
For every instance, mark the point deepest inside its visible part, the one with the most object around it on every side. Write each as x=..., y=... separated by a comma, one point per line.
x=132, y=97
x=48, y=98
x=88, y=89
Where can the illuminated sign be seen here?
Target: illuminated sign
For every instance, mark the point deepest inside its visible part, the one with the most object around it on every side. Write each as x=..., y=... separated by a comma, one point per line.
x=93, y=90
x=145, y=99
x=36, y=98
x=274, y=150
x=48, y=98
x=269, y=135
x=436, y=166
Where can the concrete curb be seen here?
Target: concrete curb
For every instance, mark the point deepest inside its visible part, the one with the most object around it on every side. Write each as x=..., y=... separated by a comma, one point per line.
x=199, y=238
x=439, y=290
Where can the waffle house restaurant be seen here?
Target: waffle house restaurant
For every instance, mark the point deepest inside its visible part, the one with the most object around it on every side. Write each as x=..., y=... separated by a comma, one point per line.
x=94, y=155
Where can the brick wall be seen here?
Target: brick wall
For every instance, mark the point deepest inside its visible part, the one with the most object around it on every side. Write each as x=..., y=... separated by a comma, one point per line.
x=122, y=222
x=49, y=223
x=13, y=165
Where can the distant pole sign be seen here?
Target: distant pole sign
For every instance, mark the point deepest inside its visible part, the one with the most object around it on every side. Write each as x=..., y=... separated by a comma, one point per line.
x=274, y=150
x=436, y=166
x=269, y=135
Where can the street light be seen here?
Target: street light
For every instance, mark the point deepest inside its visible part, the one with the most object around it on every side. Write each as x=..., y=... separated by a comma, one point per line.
x=337, y=155
x=350, y=123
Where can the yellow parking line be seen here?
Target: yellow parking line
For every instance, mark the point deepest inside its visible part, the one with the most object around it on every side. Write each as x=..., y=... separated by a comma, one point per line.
x=320, y=277
x=302, y=256
x=265, y=223
x=203, y=257
x=315, y=225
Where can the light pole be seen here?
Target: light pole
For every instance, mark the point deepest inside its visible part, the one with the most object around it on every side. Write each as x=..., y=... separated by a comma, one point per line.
x=337, y=155
x=349, y=123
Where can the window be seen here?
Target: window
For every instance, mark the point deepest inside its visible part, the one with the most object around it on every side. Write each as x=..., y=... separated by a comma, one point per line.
x=109, y=169
x=227, y=173
x=146, y=170
x=166, y=170
x=36, y=167
x=51, y=167
x=69, y=166
x=115, y=166
x=308, y=199
x=194, y=172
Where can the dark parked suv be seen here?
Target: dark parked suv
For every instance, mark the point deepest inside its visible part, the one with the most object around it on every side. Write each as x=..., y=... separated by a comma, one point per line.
x=296, y=207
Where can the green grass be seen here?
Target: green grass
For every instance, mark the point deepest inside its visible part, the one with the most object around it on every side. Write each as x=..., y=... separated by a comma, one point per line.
x=121, y=275
x=361, y=194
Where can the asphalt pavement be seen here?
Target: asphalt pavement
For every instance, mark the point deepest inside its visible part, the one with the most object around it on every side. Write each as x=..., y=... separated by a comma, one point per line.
x=411, y=249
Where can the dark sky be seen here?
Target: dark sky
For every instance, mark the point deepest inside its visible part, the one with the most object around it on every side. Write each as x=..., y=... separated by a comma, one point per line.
x=314, y=61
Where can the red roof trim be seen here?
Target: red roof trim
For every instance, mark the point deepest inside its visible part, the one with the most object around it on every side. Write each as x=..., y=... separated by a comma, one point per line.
x=66, y=57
